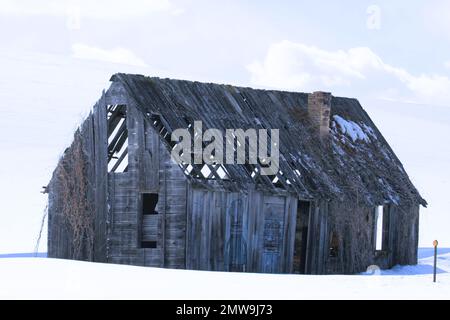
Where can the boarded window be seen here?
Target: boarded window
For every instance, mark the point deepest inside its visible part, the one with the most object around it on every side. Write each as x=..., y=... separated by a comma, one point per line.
x=150, y=229
x=381, y=231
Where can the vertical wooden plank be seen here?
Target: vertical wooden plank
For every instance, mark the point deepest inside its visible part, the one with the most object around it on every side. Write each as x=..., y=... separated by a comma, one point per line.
x=110, y=214
x=260, y=234
x=101, y=178
x=139, y=140
x=196, y=229
x=88, y=140
x=245, y=245
x=285, y=234
x=415, y=245
x=217, y=225
x=151, y=158
x=249, y=231
x=290, y=236
x=133, y=181
x=213, y=231
x=393, y=234
x=189, y=227
x=228, y=215
x=163, y=218
x=310, y=263
x=204, y=234
x=173, y=194
x=323, y=238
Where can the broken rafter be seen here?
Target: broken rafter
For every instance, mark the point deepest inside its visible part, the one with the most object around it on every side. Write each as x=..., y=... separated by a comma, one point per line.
x=119, y=161
x=116, y=115
x=116, y=143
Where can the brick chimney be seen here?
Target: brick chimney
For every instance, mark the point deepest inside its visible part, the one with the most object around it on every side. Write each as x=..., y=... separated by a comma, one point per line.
x=319, y=110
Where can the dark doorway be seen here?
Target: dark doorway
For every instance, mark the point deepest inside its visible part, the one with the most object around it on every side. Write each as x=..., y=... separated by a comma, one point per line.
x=301, y=237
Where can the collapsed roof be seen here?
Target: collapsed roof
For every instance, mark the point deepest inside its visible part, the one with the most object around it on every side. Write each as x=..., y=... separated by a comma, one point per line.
x=355, y=161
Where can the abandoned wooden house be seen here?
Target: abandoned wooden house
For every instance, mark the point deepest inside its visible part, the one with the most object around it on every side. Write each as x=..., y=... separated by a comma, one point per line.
x=339, y=202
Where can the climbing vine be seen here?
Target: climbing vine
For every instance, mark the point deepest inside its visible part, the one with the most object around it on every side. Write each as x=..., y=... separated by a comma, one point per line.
x=76, y=209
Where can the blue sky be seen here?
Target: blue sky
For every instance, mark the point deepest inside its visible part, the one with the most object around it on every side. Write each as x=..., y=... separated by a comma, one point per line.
x=57, y=56
x=218, y=39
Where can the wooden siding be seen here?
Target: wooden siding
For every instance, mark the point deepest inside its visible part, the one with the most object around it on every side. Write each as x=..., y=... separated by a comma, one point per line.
x=230, y=231
x=150, y=170
x=94, y=143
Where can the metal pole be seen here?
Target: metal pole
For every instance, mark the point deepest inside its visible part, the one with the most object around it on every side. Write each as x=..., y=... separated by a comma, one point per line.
x=435, y=244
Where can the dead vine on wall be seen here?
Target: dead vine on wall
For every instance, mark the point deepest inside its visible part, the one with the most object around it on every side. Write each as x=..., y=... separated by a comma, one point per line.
x=76, y=209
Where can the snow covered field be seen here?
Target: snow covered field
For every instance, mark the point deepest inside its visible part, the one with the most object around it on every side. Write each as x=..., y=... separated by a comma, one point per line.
x=56, y=57
x=41, y=278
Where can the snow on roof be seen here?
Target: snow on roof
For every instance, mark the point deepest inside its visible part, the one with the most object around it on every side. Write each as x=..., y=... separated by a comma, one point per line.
x=351, y=129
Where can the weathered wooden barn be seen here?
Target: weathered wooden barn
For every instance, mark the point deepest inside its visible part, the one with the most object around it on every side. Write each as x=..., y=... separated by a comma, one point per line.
x=341, y=199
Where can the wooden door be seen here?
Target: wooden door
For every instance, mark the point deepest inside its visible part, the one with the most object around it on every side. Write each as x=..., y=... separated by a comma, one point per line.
x=236, y=245
x=274, y=208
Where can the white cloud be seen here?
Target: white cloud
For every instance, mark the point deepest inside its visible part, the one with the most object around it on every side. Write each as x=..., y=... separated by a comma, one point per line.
x=298, y=66
x=436, y=17
x=447, y=64
x=115, y=55
x=294, y=65
x=99, y=9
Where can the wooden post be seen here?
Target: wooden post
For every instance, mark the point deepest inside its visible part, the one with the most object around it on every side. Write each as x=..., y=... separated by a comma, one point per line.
x=435, y=245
